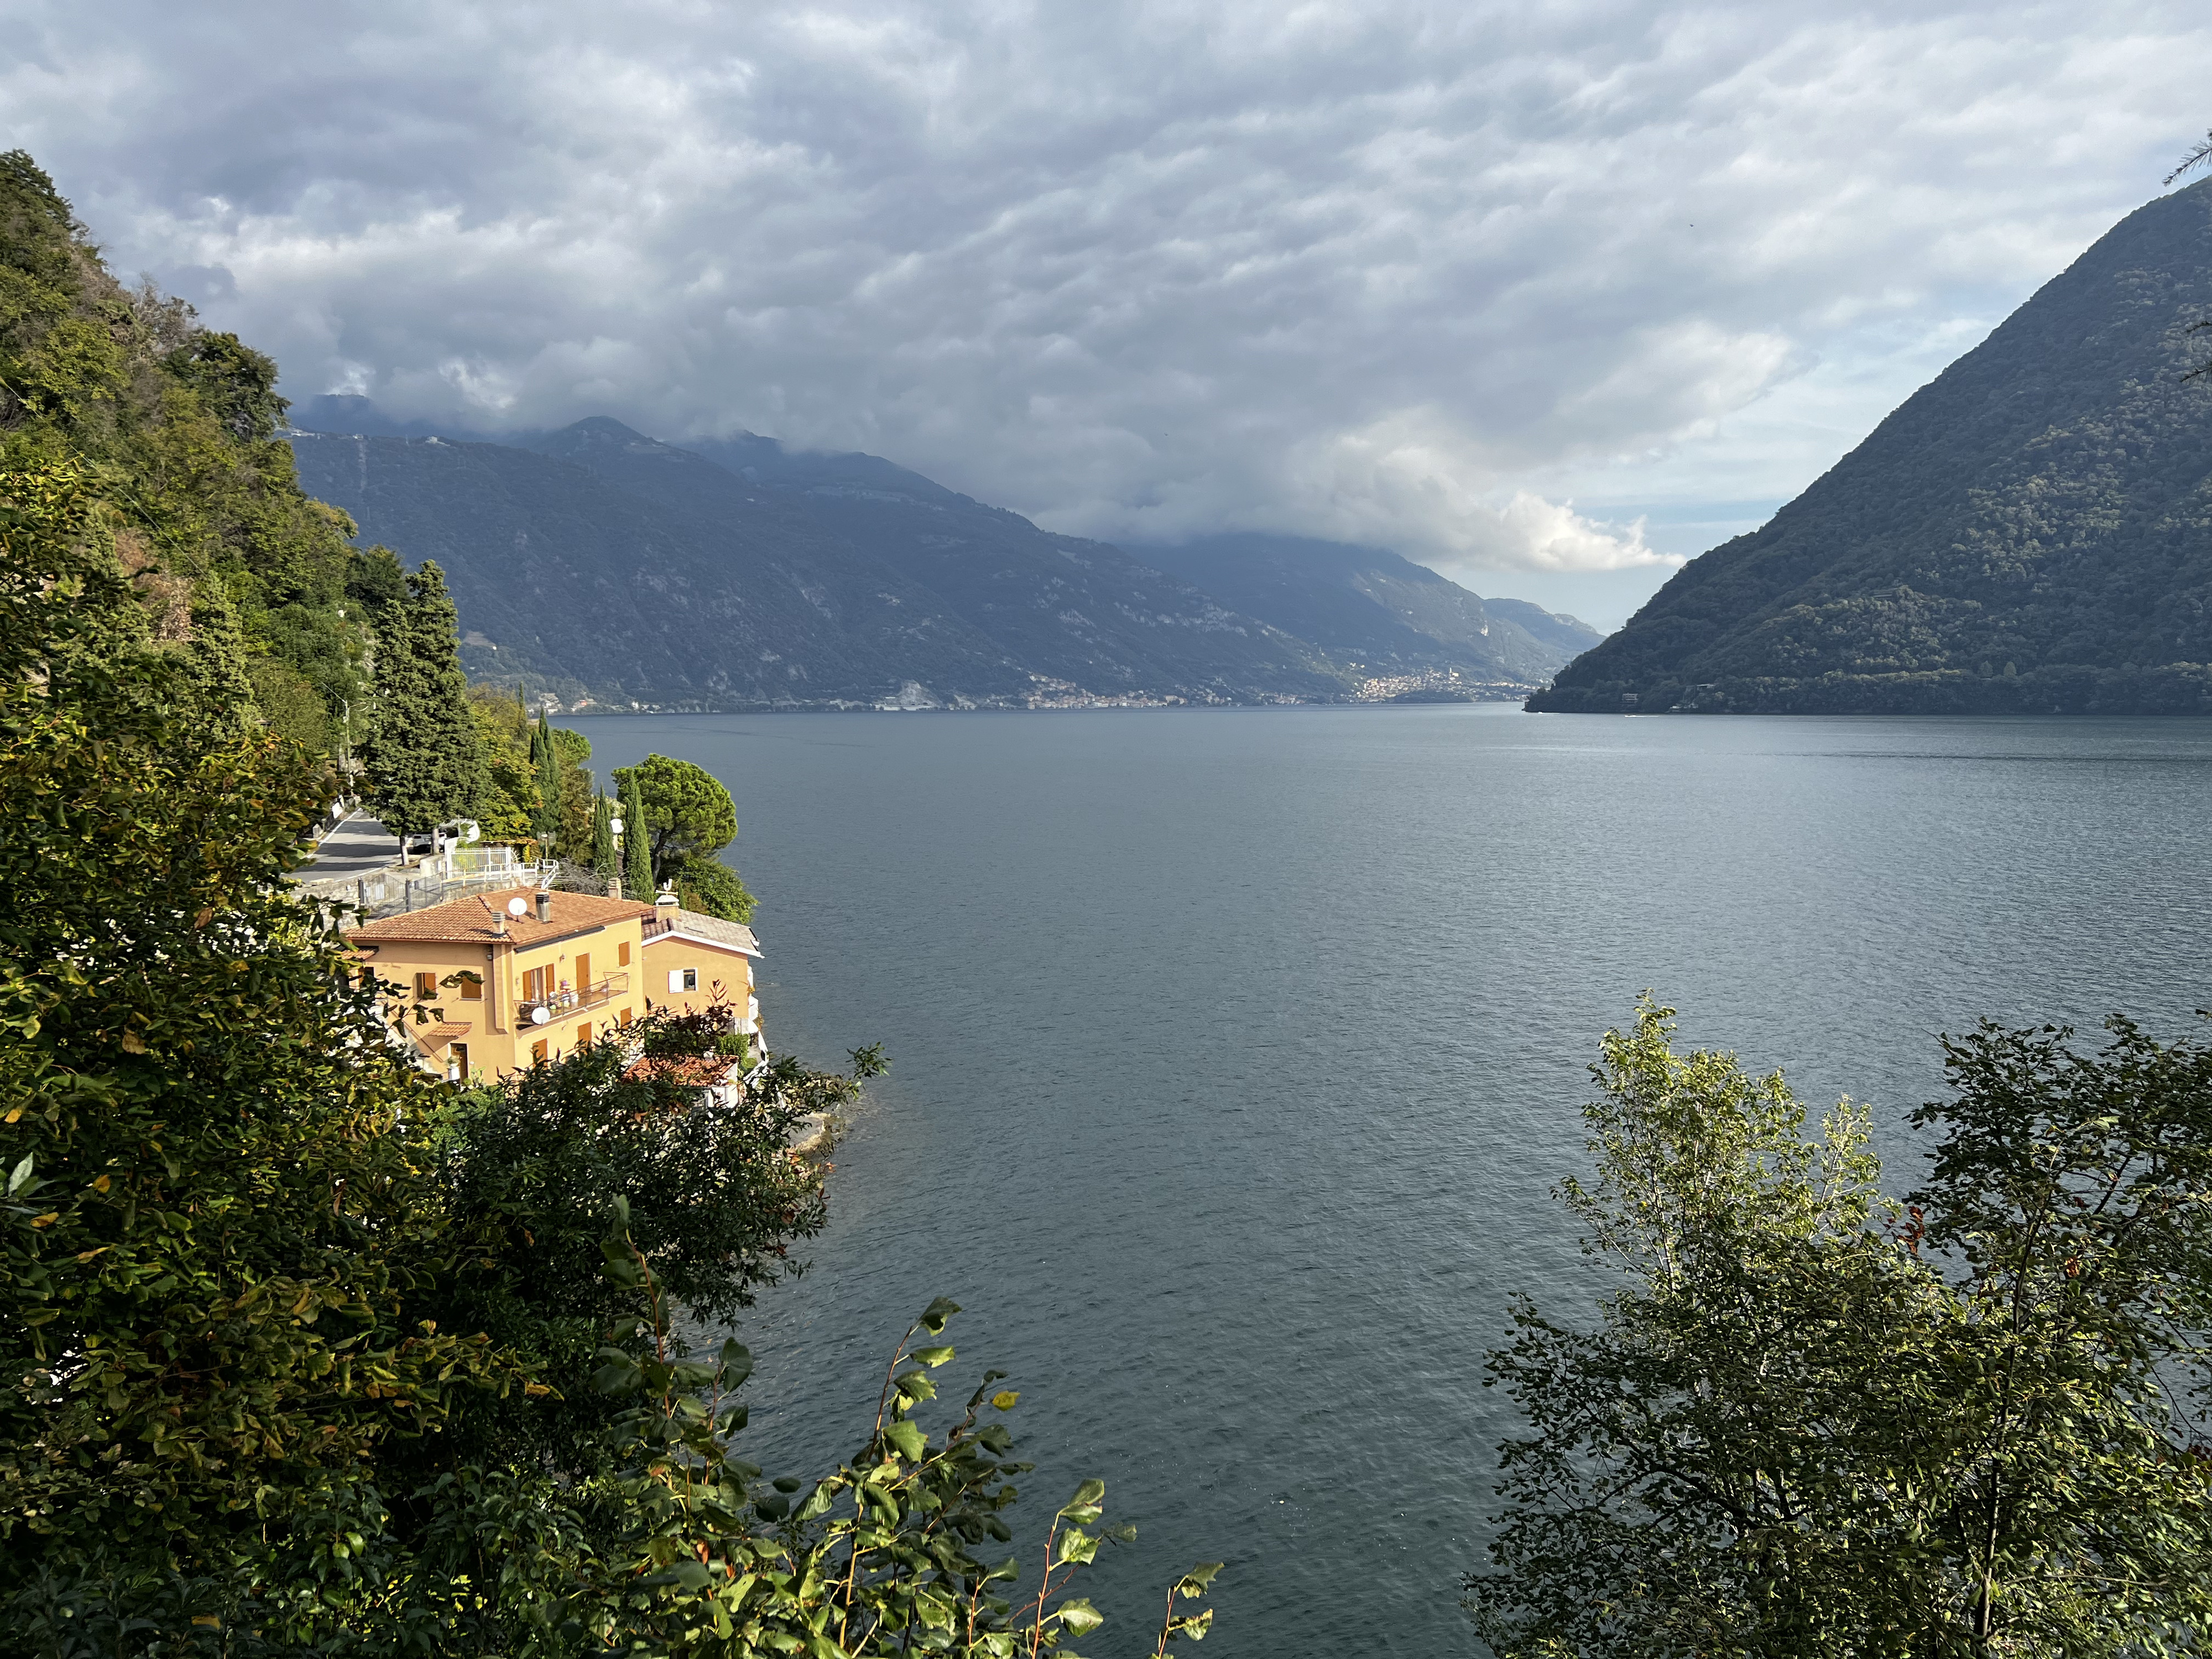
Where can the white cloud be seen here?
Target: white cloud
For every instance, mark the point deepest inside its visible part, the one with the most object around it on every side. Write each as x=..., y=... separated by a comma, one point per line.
x=1406, y=274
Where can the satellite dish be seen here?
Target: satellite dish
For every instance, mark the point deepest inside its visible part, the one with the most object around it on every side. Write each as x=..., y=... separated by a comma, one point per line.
x=476, y=831
x=540, y=1014
x=516, y=907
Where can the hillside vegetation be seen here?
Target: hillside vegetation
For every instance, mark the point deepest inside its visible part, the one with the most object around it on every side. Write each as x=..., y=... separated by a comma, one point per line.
x=175, y=429
x=2031, y=532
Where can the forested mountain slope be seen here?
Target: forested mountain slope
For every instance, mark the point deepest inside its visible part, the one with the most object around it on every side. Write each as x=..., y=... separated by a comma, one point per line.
x=1375, y=610
x=1066, y=614
x=172, y=428
x=2031, y=531
x=626, y=570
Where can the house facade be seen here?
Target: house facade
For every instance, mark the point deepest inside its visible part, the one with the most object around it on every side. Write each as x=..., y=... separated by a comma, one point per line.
x=696, y=962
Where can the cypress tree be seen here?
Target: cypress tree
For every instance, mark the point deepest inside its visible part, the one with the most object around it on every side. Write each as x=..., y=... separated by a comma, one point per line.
x=603, y=840
x=424, y=762
x=547, y=761
x=637, y=844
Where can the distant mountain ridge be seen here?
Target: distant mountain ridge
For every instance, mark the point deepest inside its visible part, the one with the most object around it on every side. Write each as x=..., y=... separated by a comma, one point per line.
x=2030, y=533
x=1375, y=610
x=732, y=574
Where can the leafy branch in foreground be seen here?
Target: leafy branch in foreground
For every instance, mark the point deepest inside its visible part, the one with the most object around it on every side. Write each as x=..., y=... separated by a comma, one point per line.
x=1813, y=1421
x=880, y=1557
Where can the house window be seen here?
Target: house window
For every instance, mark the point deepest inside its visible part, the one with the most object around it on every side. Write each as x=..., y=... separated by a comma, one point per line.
x=460, y=1052
x=426, y=985
x=584, y=974
x=538, y=984
x=683, y=979
x=622, y=954
x=625, y=1018
x=471, y=987
x=537, y=1051
x=583, y=1034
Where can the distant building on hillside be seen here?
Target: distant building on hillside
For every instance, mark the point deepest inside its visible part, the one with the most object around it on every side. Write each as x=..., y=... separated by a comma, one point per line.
x=484, y=986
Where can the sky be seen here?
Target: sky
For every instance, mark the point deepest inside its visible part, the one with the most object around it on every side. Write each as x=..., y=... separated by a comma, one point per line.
x=1550, y=297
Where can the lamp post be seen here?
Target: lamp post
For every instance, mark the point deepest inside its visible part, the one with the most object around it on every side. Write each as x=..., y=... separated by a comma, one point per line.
x=614, y=829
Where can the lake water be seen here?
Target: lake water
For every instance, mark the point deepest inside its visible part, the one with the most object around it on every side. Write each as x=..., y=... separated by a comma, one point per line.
x=1236, y=1053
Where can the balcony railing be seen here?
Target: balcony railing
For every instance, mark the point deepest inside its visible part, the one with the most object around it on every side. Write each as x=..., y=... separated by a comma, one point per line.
x=562, y=1004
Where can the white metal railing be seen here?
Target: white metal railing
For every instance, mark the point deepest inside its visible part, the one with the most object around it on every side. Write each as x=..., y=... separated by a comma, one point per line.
x=436, y=880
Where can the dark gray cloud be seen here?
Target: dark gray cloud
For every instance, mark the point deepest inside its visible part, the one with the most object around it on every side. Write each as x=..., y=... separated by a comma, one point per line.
x=1548, y=290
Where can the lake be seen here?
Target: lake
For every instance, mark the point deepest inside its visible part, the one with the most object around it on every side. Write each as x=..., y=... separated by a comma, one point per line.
x=1236, y=1054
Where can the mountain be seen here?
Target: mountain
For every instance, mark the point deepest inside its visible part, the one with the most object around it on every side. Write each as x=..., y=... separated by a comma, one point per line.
x=1078, y=617
x=1376, y=612
x=733, y=573
x=625, y=572
x=2031, y=531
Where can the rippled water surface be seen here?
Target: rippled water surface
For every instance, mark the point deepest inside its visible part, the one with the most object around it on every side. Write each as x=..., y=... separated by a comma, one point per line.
x=1236, y=1053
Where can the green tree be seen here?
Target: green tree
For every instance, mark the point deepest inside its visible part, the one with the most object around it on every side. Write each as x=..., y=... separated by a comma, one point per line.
x=290, y=705
x=2074, y=1191
x=637, y=843
x=710, y=886
x=603, y=841
x=688, y=815
x=214, y=1229
x=1792, y=1433
x=545, y=760
x=179, y=427
x=507, y=808
x=425, y=764
x=530, y=1166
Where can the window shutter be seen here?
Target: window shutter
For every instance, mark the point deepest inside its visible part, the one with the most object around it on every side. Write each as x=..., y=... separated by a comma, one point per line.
x=676, y=979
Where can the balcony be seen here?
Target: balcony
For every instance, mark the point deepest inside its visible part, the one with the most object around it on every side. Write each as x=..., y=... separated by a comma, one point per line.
x=543, y=1010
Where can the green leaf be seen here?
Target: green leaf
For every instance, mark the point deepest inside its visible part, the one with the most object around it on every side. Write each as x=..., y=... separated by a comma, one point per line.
x=1004, y=1399
x=736, y=1363
x=22, y=1174
x=688, y=1575
x=932, y=1357
x=1083, y=1507
x=1078, y=1616
x=907, y=1439
x=934, y=1315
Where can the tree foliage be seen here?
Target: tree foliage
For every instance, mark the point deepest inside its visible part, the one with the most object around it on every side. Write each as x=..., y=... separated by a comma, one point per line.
x=425, y=764
x=309, y=1354
x=710, y=886
x=689, y=817
x=1794, y=1431
x=213, y=1230
x=637, y=840
x=175, y=428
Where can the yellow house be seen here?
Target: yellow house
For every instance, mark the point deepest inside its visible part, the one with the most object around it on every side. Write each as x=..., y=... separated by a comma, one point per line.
x=481, y=990
x=694, y=962
x=488, y=984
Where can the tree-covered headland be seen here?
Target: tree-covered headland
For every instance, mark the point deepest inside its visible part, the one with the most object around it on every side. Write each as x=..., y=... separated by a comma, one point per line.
x=2030, y=533
x=303, y=1352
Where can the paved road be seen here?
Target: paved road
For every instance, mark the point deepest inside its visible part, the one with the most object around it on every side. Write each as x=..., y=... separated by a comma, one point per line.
x=356, y=847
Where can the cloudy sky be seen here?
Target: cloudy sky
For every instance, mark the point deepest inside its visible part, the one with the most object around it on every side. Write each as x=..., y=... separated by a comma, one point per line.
x=1547, y=295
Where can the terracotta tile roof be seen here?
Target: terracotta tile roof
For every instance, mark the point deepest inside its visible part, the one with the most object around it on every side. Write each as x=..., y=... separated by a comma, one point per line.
x=431, y=1038
x=713, y=929
x=691, y=1070
x=476, y=921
